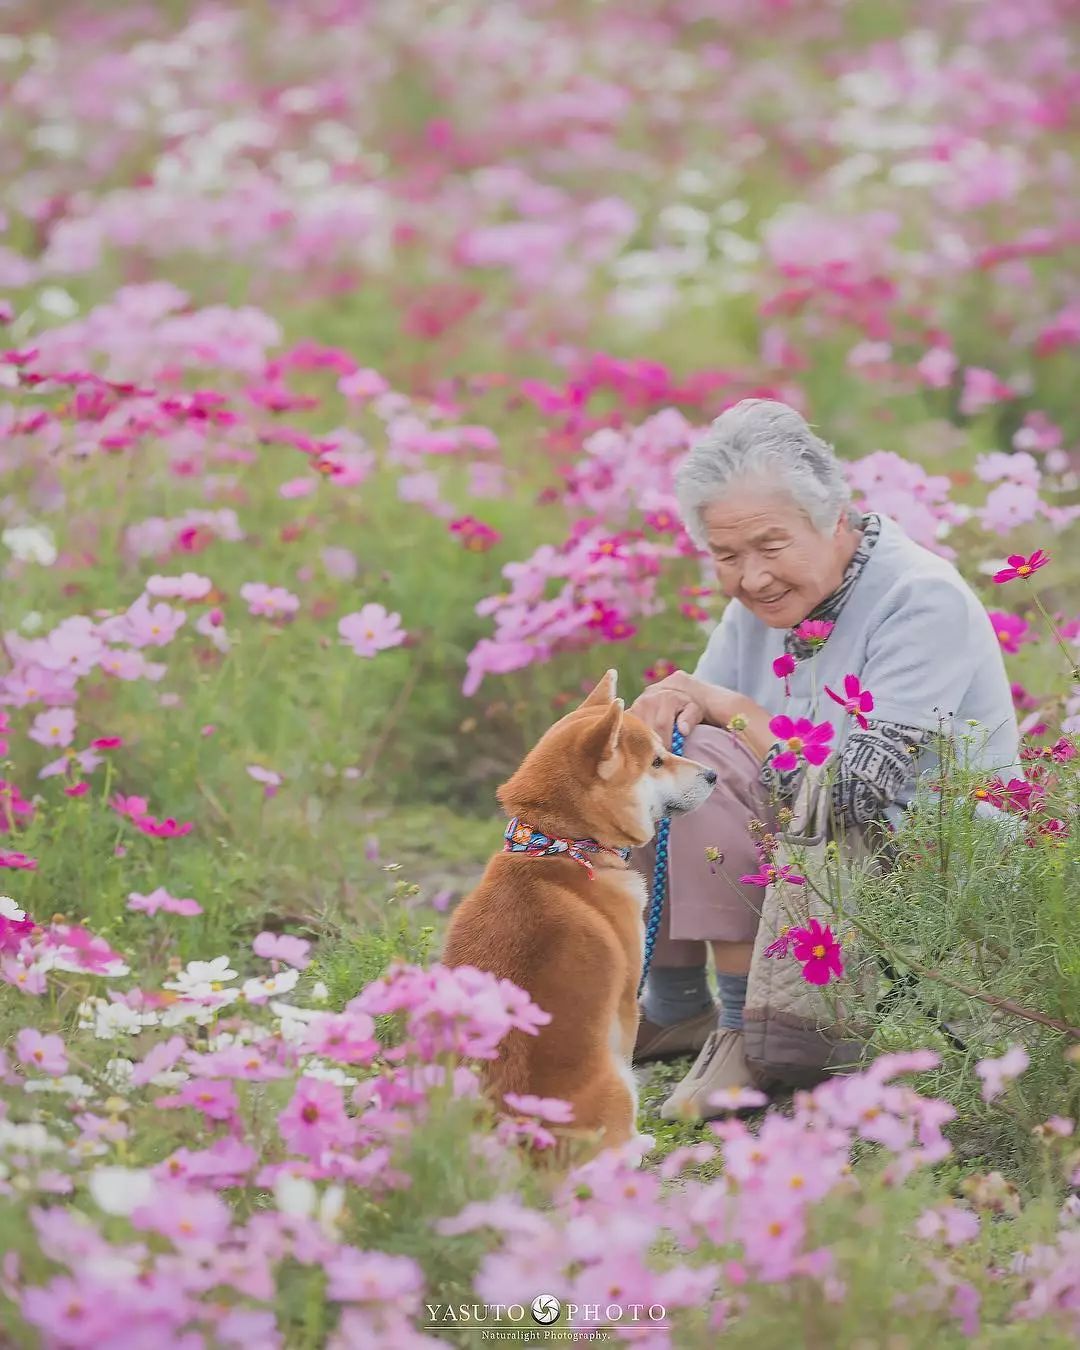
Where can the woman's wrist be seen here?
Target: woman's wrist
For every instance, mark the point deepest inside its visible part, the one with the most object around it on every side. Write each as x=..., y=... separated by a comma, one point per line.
x=751, y=722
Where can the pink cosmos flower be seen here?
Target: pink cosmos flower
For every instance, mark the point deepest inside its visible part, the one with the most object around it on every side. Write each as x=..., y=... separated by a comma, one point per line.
x=371, y=630
x=169, y=828
x=158, y=1060
x=814, y=631
x=272, y=602
x=17, y=861
x=802, y=739
x=190, y=586
x=372, y=1277
x=271, y=781
x=1019, y=566
x=949, y=1222
x=293, y=951
x=106, y=743
x=782, y=943
x=315, y=1118
x=46, y=1053
x=216, y=1101
x=818, y=952
x=348, y=1037
x=77, y=790
x=1011, y=630
x=937, y=367
x=55, y=726
x=146, y=625
x=553, y=1109
x=996, y=1073
x=856, y=700
x=160, y=899
x=476, y=536
x=186, y=1215
x=26, y=977
x=363, y=384
x=982, y=389
x=15, y=925
x=129, y=806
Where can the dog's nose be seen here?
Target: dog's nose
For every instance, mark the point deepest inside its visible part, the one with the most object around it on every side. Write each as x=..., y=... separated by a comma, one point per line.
x=710, y=776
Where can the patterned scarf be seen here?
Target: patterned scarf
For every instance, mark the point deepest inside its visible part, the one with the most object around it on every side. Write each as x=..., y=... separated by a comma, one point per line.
x=522, y=838
x=829, y=608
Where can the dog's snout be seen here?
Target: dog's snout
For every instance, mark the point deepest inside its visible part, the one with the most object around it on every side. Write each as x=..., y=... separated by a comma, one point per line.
x=709, y=775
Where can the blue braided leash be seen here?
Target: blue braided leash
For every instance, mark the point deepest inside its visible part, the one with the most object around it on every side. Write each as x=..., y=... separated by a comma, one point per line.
x=659, y=883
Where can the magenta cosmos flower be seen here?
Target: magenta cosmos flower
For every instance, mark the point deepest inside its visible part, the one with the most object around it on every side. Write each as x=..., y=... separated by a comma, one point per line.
x=800, y=738
x=783, y=667
x=1010, y=630
x=769, y=875
x=1019, y=566
x=818, y=952
x=814, y=631
x=856, y=700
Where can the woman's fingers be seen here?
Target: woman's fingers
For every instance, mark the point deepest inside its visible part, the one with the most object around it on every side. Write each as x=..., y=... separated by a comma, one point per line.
x=659, y=708
x=690, y=717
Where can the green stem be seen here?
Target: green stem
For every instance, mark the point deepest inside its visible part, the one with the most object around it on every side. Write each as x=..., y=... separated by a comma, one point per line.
x=1070, y=657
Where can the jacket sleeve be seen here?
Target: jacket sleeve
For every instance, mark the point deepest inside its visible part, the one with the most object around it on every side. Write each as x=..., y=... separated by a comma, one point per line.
x=719, y=662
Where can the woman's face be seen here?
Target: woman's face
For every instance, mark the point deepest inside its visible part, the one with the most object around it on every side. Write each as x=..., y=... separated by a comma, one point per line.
x=771, y=558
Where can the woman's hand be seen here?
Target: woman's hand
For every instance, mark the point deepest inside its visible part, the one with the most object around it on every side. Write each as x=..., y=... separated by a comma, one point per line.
x=679, y=696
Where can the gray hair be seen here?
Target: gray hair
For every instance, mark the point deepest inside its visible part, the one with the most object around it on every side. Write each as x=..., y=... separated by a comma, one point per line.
x=759, y=438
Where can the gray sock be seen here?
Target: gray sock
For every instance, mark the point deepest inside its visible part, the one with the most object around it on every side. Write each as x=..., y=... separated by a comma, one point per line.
x=733, y=999
x=674, y=993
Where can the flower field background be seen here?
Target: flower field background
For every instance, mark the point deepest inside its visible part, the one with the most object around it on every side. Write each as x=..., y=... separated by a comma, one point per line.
x=348, y=351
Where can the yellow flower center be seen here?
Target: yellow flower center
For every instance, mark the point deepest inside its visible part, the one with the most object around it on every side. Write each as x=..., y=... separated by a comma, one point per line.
x=795, y=743
x=797, y=1182
x=819, y=951
x=1003, y=634
x=1024, y=570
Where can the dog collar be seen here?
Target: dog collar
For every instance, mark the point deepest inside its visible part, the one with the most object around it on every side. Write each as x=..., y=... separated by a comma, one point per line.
x=522, y=838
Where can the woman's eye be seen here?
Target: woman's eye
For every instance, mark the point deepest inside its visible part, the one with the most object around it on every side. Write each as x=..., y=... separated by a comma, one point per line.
x=658, y=762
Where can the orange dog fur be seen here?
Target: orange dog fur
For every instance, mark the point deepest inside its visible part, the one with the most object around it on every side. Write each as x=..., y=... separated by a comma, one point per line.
x=575, y=943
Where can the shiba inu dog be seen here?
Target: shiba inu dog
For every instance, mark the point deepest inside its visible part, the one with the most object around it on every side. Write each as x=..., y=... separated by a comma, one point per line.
x=560, y=912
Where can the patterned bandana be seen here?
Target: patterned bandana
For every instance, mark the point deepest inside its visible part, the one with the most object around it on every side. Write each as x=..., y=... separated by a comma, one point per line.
x=522, y=838
x=829, y=608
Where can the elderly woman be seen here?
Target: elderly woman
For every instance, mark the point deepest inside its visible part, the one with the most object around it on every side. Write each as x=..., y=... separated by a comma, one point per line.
x=841, y=593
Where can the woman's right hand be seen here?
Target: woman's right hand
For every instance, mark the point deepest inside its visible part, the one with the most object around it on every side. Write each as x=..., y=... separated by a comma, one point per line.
x=660, y=704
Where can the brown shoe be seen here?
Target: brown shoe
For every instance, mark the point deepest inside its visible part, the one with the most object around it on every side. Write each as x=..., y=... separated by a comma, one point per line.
x=719, y=1071
x=681, y=1038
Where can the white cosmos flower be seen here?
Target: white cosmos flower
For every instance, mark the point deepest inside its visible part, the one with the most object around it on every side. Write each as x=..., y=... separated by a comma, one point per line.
x=329, y=1073
x=294, y=1196
x=121, y=1190
x=27, y=1138
x=198, y=977
x=201, y=1013
x=10, y=910
x=259, y=991
x=30, y=543
x=109, y=1020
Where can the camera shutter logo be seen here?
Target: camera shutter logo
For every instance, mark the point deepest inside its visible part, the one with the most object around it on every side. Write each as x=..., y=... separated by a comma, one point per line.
x=546, y=1309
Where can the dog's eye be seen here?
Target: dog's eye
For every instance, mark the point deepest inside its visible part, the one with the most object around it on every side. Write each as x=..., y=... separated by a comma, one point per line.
x=658, y=762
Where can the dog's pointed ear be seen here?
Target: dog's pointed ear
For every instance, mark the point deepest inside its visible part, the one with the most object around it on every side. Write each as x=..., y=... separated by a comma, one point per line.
x=604, y=691
x=603, y=738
